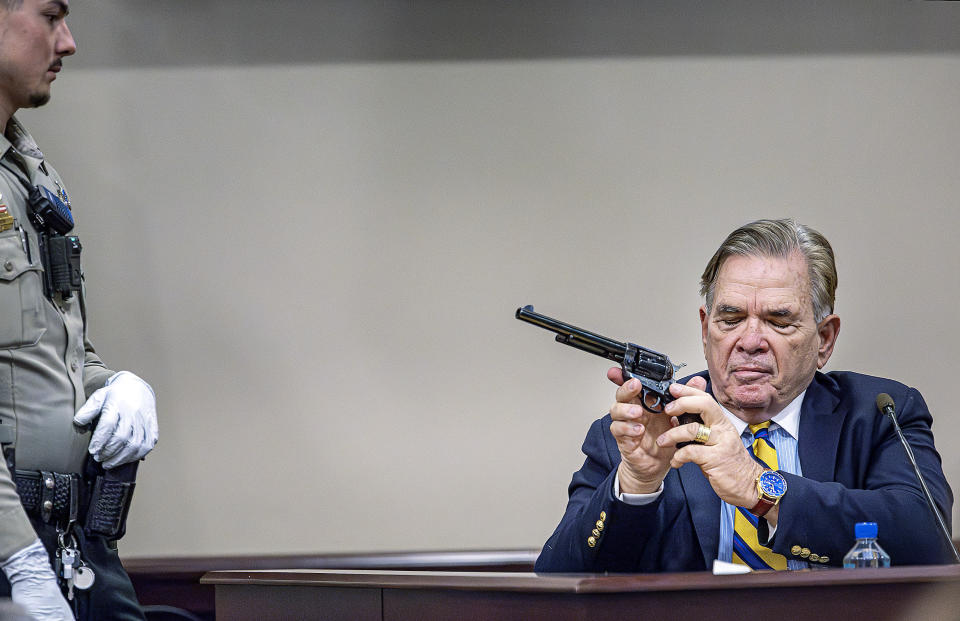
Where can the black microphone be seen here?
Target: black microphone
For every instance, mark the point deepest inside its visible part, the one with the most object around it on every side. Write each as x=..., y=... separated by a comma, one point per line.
x=886, y=407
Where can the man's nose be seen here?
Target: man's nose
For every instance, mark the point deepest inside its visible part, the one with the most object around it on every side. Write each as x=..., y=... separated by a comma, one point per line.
x=752, y=339
x=66, y=46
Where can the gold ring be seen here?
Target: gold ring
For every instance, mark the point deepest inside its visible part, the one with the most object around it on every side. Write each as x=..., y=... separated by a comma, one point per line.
x=703, y=434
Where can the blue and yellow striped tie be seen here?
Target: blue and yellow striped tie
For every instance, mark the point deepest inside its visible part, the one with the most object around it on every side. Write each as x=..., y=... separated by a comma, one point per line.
x=746, y=547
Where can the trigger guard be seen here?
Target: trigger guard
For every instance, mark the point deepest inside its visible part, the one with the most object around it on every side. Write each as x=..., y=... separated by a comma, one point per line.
x=657, y=404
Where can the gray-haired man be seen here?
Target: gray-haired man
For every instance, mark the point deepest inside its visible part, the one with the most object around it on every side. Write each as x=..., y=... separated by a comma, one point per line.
x=787, y=459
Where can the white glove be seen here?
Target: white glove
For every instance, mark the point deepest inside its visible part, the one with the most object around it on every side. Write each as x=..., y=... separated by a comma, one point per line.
x=34, y=586
x=127, y=429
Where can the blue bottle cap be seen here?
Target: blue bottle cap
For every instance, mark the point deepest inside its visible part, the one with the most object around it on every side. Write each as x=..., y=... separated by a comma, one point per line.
x=865, y=530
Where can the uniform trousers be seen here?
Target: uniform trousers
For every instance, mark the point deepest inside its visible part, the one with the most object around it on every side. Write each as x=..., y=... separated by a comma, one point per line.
x=111, y=598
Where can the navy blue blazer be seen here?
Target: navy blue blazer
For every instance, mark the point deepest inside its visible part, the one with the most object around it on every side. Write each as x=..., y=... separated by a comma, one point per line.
x=854, y=470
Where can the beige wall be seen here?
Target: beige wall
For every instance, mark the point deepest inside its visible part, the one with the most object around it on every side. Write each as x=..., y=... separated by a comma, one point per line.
x=311, y=237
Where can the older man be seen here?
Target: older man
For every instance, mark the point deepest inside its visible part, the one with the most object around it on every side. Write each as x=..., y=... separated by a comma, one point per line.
x=57, y=547
x=788, y=458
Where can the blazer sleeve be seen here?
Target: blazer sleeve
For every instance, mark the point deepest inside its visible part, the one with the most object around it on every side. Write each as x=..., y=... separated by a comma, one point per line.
x=873, y=482
x=598, y=533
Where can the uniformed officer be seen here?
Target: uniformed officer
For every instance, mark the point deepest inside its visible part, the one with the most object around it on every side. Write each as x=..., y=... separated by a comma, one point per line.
x=53, y=386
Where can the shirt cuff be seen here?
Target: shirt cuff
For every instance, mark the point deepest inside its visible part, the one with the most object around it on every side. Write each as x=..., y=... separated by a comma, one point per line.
x=765, y=532
x=635, y=499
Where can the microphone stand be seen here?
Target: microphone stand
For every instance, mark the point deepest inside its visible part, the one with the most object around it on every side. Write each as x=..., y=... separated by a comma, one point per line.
x=886, y=407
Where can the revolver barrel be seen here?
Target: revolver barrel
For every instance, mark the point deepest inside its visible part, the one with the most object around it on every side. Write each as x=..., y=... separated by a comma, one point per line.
x=653, y=369
x=574, y=336
x=651, y=364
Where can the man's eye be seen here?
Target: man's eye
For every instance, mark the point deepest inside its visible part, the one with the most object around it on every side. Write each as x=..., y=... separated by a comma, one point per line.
x=729, y=322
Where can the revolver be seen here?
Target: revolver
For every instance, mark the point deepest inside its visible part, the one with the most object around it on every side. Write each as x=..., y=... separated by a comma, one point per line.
x=653, y=369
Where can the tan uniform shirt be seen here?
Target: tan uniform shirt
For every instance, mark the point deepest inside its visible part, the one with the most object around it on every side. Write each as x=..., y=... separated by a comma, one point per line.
x=48, y=367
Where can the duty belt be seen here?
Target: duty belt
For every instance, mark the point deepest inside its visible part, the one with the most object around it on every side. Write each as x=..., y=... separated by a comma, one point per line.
x=100, y=506
x=51, y=496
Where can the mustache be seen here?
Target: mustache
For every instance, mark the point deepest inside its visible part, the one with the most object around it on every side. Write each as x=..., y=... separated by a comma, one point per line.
x=57, y=64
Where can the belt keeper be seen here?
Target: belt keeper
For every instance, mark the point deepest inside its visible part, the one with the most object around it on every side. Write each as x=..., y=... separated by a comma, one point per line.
x=47, y=492
x=74, y=497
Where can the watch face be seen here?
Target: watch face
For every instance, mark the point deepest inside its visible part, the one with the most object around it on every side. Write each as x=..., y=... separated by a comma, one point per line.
x=772, y=484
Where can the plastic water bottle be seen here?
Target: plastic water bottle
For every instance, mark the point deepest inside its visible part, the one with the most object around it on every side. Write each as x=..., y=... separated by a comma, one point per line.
x=866, y=552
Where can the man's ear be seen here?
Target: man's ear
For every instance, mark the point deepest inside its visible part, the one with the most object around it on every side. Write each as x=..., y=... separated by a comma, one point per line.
x=704, y=315
x=827, y=330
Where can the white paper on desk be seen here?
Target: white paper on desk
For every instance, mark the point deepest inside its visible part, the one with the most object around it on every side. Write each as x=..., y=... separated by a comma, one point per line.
x=723, y=568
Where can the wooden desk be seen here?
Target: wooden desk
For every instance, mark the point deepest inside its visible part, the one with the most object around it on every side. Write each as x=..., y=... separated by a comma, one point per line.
x=898, y=593
x=175, y=581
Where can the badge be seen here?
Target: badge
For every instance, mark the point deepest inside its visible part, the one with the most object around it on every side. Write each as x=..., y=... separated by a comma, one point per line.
x=62, y=194
x=6, y=220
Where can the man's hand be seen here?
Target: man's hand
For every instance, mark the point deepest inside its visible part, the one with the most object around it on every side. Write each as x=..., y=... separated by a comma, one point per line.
x=643, y=463
x=34, y=586
x=726, y=463
x=127, y=429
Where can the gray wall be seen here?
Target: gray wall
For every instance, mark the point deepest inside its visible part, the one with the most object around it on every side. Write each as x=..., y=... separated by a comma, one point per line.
x=308, y=224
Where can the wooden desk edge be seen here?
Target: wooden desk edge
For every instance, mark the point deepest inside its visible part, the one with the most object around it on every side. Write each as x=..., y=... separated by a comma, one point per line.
x=461, y=560
x=564, y=583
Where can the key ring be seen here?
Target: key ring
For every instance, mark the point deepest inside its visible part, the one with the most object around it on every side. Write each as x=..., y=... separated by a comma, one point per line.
x=65, y=537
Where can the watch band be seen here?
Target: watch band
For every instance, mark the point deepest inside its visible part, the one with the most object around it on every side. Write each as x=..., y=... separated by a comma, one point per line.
x=762, y=507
